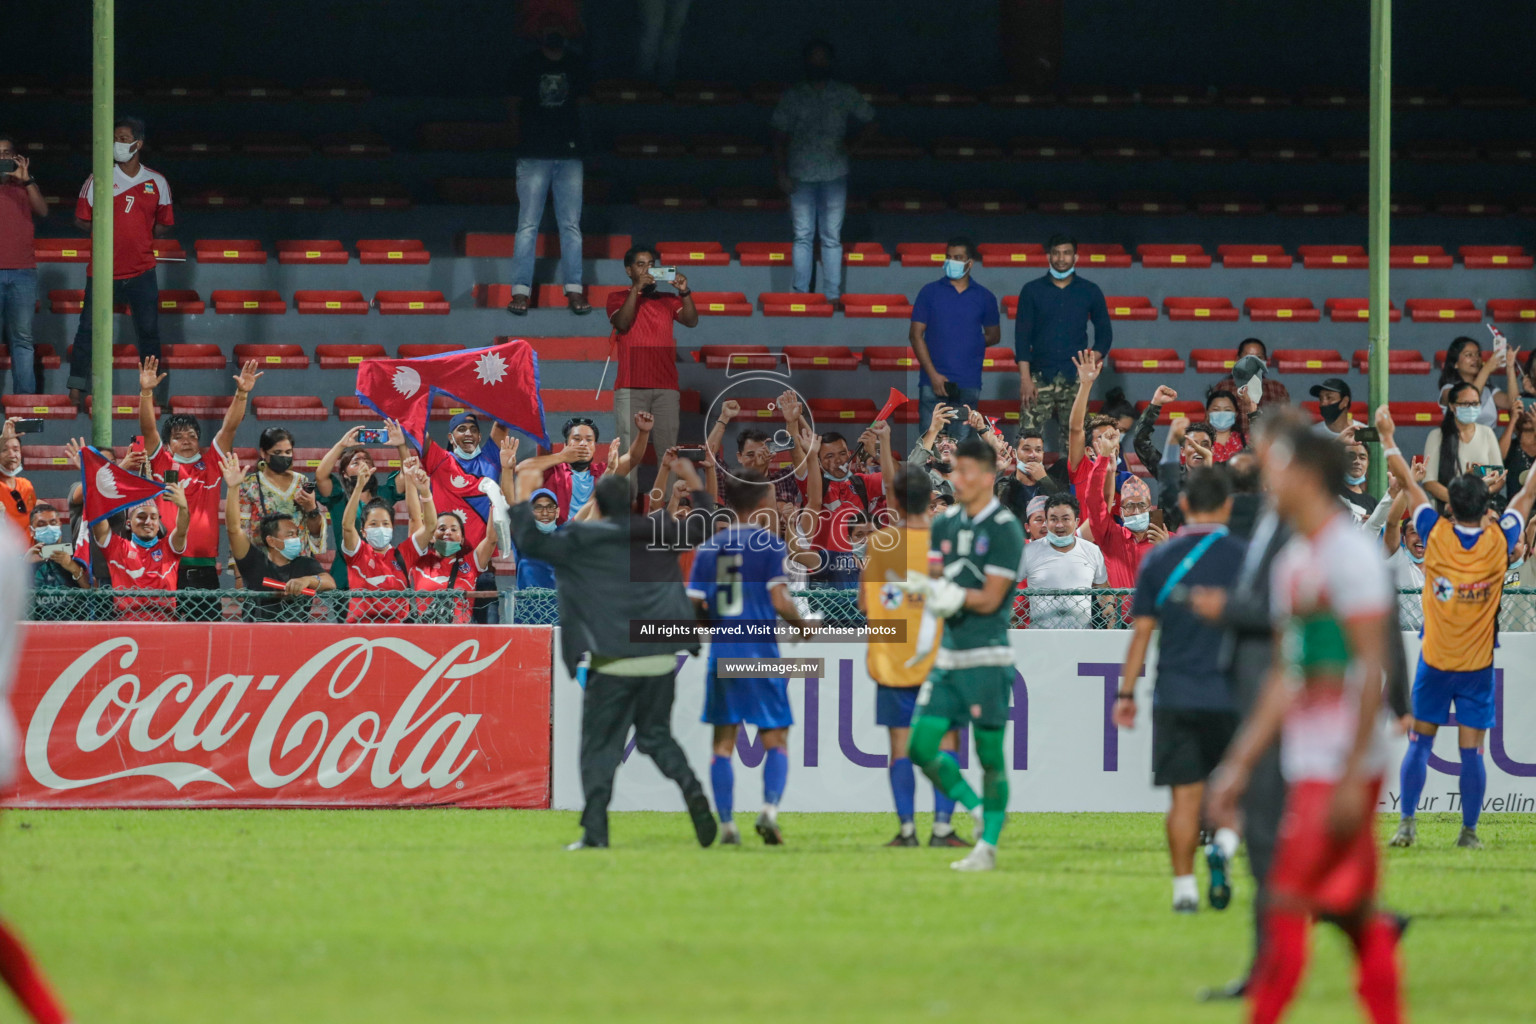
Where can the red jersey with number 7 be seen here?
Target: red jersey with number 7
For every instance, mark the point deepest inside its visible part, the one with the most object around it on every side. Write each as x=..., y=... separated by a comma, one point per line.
x=138, y=204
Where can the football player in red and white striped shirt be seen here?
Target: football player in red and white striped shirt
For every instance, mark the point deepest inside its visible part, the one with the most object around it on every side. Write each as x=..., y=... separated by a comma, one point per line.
x=141, y=213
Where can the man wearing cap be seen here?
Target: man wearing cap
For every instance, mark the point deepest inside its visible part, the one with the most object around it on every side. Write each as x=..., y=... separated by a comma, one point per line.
x=572, y=473
x=532, y=573
x=1335, y=404
x=1273, y=392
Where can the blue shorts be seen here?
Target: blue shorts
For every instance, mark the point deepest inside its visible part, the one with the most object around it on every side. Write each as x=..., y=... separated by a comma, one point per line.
x=760, y=702
x=894, y=706
x=1435, y=690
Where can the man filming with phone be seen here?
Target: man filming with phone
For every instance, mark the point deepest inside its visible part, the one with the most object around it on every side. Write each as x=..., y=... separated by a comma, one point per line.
x=954, y=319
x=642, y=321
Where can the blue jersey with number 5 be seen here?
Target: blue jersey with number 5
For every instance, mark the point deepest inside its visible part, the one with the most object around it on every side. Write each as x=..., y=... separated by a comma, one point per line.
x=732, y=574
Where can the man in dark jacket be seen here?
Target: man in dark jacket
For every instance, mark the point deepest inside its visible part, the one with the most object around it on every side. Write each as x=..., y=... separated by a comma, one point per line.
x=632, y=562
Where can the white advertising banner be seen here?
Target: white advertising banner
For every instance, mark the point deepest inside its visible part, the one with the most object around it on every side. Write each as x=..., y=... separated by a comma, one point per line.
x=1064, y=753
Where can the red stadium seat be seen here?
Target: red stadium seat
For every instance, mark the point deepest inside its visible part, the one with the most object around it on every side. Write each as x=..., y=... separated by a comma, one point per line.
x=167, y=249
x=1011, y=306
x=247, y=301
x=890, y=357
x=1398, y=361
x=332, y=302
x=1494, y=257
x=1309, y=204
x=124, y=357
x=312, y=250
x=427, y=302
x=1346, y=310
x=124, y=407
x=1300, y=310
x=1412, y=414
x=754, y=408
x=192, y=357
x=794, y=304
x=350, y=408
x=1253, y=256
x=1143, y=201
x=1420, y=257
x=1003, y=410
x=1145, y=360
x=893, y=306
x=866, y=254
x=906, y=412
x=1334, y=257
x=273, y=357
x=763, y=254
x=306, y=459
x=376, y=251
x=1309, y=360
x=1212, y=360
x=749, y=197
x=181, y=300
x=1512, y=311
x=1003, y=254
x=669, y=197
x=1075, y=201
x=62, y=250
x=1455, y=310
x=43, y=352
x=921, y=254
x=204, y=407
x=841, y=410
x=72, y=300
x=40, y=407
x=216, y=199
x=1199, y=308
x=416, y=351
x=909, y=200
x=46, y=458
x=1228, y=203
x=493, y=296
x=999, y=359
x=346, y=357
x=554, y=399
x=578, y=349
x=1130, y=307
x=229, y=250
x=736, y=357
x=1179, y=256
x=1176, y=410
x=822, y=357
x=289, y=407
x=1103, y=255
x=722, y=304
x=988, y=200
x=699, y=254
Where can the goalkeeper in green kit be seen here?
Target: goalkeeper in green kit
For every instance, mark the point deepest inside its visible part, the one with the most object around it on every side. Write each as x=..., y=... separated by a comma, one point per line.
x=979, y=544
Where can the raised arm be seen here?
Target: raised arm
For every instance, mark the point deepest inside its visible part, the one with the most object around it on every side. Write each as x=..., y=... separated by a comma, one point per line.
x=507, y=453
x=149, y=379
x=1095, y=504
x=1396, y=464
x=1089, y=366
x=1517, y=415
x=350, y=541
x=644, y=421
x=811, y=444
x=729, y=410
x=882, y=431
x=418, y=481
x=1392, y=531
x=328, y=462
x=1141, y=433
x=239, y=544
x=178, y=497
x=245, y=380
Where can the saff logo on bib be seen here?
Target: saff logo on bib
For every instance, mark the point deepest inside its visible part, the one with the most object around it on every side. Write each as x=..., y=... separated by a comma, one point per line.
x=890, y=597
x=1444, y=589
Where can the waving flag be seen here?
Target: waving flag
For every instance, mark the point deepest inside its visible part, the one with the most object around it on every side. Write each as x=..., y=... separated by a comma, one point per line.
x=501, y=382
x=110, y=488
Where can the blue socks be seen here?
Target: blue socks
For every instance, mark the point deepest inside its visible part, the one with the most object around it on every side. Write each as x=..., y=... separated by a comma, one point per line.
x=943, y=803
x=1474, y=781
x=904, y=788
x=775, y=775
x=722, y=779
x=1414, y=772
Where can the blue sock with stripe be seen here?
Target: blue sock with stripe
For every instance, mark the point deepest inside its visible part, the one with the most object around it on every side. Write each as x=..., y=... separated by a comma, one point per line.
x=1414, y=772
x=775, y=775
x=904, y=788
x=1474, y=782
x=943, y=803
x=722, y=779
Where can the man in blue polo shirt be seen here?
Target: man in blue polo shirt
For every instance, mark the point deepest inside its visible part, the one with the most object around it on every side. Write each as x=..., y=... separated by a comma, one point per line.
x=953, y=322
x=1051, y=328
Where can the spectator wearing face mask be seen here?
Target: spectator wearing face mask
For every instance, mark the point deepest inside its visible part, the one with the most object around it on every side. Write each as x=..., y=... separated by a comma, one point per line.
x=145, y=559
x=1187, y=449
x=197, y=470
x=1357, y=464
x=1065, y=562
x=272, y=488
x=1126, y=542
x=21, y=202
x=51, y=555
x=1335, y=405
x=954, y=319
x=532, y=573
x=1225, y=418
x=1464, y=364
x=1029, y=479
x=572, y=473
x=835, y=494
x=1051, y=329
x=19, y=496
x=273, y=565
x=339, y=471
x=456, y=471
x=1461, y=445
x=1084, y=435
x=372, y=561
x=445, y=562
x=1272, y=392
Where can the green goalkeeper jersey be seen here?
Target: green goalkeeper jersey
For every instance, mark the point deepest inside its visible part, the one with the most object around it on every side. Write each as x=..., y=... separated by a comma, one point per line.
x=991, y=544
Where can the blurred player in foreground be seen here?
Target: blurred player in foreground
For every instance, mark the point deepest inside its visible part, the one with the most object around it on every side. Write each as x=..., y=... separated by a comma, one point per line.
x=16, y=965
x=1465, y=558
x=977, y=547
x=895, y=552
x=1332, y=595
x=740, y=581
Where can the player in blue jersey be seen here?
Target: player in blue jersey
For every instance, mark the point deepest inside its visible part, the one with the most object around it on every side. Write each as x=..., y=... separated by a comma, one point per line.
x=739, y=582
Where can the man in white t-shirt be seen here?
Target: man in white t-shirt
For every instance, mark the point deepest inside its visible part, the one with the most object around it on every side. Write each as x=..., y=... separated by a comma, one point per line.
x=1335, y=405
x=1062, y=561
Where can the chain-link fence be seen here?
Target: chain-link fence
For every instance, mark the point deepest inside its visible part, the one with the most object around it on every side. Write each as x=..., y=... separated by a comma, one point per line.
x=1099, y=608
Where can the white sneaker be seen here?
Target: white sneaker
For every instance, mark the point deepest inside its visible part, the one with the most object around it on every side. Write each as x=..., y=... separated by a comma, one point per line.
x=983, y=857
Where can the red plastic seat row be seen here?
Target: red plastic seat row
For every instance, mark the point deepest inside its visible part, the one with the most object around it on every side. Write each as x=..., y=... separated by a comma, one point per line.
x=267, y=301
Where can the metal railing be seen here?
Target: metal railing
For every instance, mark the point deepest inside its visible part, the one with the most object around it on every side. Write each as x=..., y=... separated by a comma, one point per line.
x=1099, y=608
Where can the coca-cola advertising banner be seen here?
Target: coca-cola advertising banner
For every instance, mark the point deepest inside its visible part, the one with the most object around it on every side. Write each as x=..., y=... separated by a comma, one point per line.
x=234, y=715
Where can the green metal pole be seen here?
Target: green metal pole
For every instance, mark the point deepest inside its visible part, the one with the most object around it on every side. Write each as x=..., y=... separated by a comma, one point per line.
x=100, y=312
x=1379, y=226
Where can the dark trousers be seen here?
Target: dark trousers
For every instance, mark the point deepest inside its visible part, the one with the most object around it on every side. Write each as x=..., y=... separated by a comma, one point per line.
x=610, y=705
x=1264, y=801
x=142, y=294
x=198, y=577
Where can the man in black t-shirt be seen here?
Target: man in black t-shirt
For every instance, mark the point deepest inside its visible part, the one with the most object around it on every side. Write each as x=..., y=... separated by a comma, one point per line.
x=549, y=85
x=275, y=567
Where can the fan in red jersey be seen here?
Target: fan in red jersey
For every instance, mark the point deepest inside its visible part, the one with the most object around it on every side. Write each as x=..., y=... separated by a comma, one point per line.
x=374, y=561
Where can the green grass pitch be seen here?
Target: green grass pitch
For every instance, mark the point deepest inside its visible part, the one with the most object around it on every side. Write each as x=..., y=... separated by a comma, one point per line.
x=443, y=915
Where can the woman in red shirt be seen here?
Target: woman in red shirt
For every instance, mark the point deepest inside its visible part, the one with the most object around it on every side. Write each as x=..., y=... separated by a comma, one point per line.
x=373, y=560
x=440, y=561
x=1225, y=417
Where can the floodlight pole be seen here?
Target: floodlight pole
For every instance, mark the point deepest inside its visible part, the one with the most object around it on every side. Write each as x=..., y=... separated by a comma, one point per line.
x=1380, y=219
x=102, y=76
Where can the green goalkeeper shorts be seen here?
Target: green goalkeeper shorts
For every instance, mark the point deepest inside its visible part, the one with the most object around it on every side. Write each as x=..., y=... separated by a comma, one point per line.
x=962, y=695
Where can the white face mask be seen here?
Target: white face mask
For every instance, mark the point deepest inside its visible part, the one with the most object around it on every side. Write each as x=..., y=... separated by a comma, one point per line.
x=379, y=537
x=1061, y=542
x=544, y=527
x=1138, y=523
x=122, y=152
x=186, y=460
x=1254, y=389
x=467, y=453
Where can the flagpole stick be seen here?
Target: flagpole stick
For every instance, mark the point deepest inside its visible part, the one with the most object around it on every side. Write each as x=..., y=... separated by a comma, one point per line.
x=604, y=377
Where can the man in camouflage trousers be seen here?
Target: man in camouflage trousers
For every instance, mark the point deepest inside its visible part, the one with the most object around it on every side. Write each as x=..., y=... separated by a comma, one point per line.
x=1052, y=327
